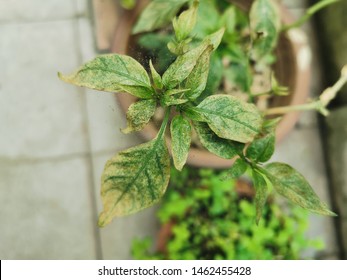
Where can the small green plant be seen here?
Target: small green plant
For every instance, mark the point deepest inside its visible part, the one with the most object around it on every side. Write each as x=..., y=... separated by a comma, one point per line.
x=211, y=219
x=227, y=126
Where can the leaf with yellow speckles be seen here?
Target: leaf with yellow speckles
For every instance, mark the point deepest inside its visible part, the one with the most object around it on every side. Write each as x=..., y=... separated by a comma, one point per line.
x=231, y=118
x=292, y=185
x=265, y=24
x=181, y=133
x=112, y=73
x=223, y=148
x=183, y=66
x=135, y=179
x=139, y=114
x=260, y=186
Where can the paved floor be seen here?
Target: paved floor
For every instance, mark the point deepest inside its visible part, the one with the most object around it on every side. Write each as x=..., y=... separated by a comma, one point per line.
x=55, y=139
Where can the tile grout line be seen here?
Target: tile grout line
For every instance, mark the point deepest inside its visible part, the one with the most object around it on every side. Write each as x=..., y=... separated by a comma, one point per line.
x=90, y=165
x=42, y=21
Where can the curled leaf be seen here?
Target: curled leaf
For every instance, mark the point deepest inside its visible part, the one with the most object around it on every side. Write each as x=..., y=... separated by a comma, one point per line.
x=139, y=114
x=185, y=23
x=155, y=76
x=237, y=169
x=261, y=149
x=183, y=66
x=197, y=79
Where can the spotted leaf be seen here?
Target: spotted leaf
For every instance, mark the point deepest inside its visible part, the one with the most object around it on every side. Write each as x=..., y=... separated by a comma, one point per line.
x=112, y=73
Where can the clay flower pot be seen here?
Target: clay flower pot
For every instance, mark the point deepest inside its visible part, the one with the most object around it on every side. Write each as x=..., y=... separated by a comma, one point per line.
x=292, y=70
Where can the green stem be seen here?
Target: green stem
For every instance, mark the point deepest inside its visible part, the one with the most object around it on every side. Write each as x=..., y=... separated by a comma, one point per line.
x=310, y=12
x=164, y=123
x=320, y=105
x=288, y=109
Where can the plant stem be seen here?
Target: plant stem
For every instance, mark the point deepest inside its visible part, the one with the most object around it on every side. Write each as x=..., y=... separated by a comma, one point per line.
x=310, y=12
x=320, y=105
x=331, y=92
x=288, y=109
x=165, y=122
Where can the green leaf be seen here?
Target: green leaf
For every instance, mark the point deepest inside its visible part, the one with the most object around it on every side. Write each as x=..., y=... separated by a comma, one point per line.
x=292, y=185
x=181, y=132
x=157, y=14
x=155, y=76
x=221, y=147
x=183, y=66
x=237, y=169
x=271, y=124
x=206, y=10
x=185, y=23
x=193, y=113
x=134, y=179
x=231, y=118
x=265, y=23
x=214, y=79
x=261, y=149
x=139, y=114
x=112, y=72
x=176, y=91
x=229, y=19
x=260, y=193
x=170, y=100
x=239, y=71
x=215, y=38
x=197, y=79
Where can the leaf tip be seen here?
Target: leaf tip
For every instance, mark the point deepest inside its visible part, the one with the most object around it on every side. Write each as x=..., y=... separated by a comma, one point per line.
x=60, y=76
x=103, y=220
x=331, y=213
x=126, y=130
x=64, y=78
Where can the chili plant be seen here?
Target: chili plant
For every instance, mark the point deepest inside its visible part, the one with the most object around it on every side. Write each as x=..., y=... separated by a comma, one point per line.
x=228, y=127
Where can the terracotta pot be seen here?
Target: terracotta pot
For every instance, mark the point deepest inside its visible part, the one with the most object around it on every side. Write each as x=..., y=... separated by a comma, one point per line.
x=292, y=70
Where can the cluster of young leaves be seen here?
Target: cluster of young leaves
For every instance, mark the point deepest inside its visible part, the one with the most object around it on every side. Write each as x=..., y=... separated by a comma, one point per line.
x=243, y=44
x=209, y=220
x=138, y=177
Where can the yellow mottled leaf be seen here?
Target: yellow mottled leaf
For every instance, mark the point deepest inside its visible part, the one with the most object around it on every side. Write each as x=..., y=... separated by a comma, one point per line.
x=134, y=179
x=112, y=73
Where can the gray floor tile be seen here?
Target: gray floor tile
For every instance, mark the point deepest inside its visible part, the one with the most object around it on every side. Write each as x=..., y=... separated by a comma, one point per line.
x=86, y=39
x=83, y=7
x=105, y=117
x=302, y=150
x=116, y=238
x=105, y=121
x=40, y=116
x=36, y=10
x=46, y=210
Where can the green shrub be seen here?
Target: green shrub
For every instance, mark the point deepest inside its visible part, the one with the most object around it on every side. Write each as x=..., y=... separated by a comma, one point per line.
x=212, y=221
